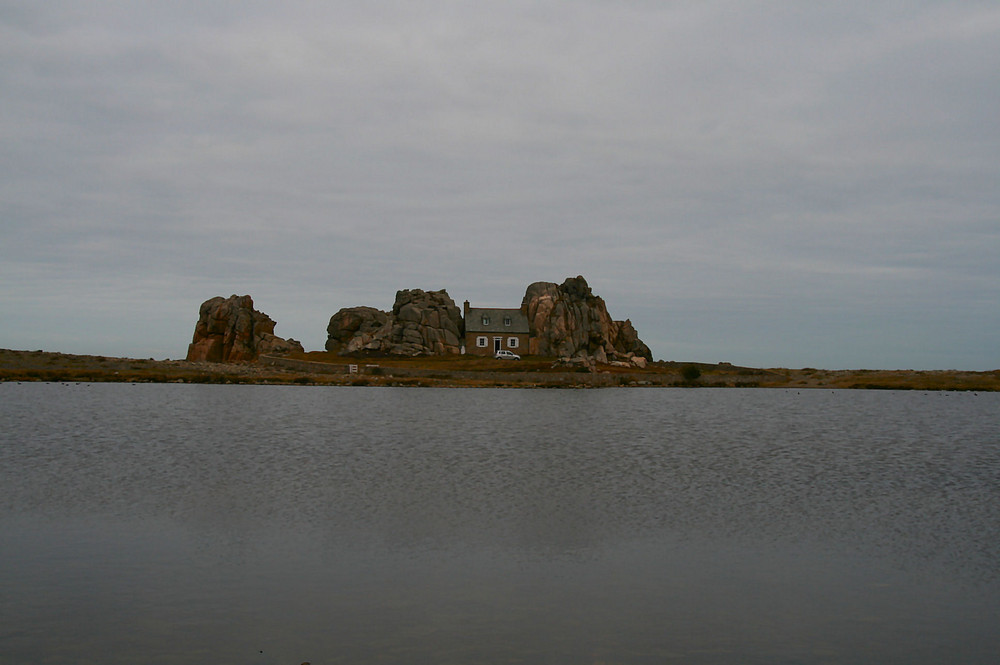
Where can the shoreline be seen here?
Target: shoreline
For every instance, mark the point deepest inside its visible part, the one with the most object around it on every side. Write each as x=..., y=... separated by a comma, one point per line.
x=318, y=368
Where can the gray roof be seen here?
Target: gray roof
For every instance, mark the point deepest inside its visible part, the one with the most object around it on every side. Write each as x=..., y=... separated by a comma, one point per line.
x=499, y=320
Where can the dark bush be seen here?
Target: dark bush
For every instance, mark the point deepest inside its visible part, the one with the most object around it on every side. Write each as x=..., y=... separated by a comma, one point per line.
x=691, y=373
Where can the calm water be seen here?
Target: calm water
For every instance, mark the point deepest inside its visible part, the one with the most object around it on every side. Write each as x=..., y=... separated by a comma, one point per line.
x=265, y=524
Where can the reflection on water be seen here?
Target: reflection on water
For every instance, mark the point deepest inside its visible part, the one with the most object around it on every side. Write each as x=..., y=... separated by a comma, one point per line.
x=191, y=524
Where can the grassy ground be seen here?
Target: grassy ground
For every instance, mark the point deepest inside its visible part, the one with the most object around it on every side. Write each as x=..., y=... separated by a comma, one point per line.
x=320, y=368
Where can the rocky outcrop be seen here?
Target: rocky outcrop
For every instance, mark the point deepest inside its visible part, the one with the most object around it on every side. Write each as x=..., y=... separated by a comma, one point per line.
x=627, y=343
x=420, y=323
x=360, y=328
x=231, y=330
x=426, y=322
x=565, y=320
x=568, y=320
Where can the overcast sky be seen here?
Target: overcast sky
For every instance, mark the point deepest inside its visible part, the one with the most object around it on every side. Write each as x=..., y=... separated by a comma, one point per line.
x=765, y=183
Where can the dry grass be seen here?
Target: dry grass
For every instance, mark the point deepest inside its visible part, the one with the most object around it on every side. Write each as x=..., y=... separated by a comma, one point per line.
x=447, y=363
x=913, y=380
x=468, y=371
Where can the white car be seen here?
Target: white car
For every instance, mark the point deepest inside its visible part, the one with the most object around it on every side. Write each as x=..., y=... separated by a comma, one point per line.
x=504, y=354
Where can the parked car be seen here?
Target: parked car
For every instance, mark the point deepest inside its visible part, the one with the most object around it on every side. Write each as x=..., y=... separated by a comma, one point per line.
x=504, y=354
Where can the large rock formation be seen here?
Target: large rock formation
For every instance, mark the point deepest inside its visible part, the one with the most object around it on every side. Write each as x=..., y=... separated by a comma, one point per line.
x=231, y=330
x=420, y=323
x=354, y=329
x=568, y=320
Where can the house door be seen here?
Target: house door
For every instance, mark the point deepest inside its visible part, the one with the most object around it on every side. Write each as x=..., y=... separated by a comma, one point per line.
x=496, y=343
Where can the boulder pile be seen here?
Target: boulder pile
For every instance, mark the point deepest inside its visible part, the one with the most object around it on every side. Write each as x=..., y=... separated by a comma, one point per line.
x=420, y=323
x=568, y=321
x=565, y=320
x=231, y=330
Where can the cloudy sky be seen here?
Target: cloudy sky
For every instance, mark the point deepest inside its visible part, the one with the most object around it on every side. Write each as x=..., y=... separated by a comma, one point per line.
x=765, y=183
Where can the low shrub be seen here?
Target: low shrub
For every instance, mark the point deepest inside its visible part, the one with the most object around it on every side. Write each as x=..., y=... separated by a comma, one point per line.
x=690, y=373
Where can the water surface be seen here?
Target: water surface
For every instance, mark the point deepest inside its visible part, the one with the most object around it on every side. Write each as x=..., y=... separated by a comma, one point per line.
x=267, y=524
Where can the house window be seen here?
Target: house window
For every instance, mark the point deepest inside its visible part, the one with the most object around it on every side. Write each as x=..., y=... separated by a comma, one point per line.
x=506, y=320
x=481, y=341
x=511, y=342
x=486, y=320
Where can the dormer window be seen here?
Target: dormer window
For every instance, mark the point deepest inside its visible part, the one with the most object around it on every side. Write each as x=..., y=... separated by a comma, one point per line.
x=486, y=320
x=506, y=320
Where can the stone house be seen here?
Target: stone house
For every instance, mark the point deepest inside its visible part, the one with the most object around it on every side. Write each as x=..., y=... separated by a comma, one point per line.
x=490, y=329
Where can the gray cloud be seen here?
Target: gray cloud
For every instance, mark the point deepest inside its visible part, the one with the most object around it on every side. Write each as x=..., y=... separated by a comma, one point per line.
x=768, y=184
